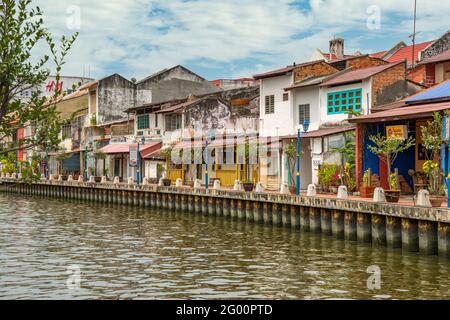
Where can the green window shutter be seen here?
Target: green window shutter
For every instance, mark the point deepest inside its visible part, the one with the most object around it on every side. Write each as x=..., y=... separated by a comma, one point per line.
x=344, y=101
x=143, y=122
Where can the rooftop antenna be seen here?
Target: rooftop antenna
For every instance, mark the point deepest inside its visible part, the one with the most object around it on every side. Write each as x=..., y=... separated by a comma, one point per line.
x=413, y=36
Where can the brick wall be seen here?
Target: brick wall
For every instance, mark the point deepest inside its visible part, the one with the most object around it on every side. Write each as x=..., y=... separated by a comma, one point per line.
x=389, y=86
x=365, y=62
x=317, y=69
x=424, y=74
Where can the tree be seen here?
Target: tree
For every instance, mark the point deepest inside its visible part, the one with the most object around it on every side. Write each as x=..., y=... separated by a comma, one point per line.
x=22, y=32
x=432, y=141
x=388, y=150
x=432, y=135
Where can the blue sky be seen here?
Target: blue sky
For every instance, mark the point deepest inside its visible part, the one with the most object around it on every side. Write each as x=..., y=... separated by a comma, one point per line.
x=229, y=38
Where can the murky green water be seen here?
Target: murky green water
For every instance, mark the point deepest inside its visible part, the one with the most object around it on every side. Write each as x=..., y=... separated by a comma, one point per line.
x=131, y=253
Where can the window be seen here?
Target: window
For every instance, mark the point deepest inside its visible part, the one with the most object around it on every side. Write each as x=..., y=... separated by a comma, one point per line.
x=173, y=122
x=270, y=104
x=285, y=96
x=303, y=113
x=156, y=120
x=66, y=131
x=143, y=122
x=344, y=101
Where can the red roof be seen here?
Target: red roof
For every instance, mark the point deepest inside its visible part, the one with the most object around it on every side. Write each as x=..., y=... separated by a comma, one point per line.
x=125, y=148
x=444, y=56
x=410, y=112
x=406, y=52
x=357, y=75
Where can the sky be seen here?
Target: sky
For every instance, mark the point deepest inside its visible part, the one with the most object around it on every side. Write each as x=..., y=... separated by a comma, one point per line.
x=223, y=39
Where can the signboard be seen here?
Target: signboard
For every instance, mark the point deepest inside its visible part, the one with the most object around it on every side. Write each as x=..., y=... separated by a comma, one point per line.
x=396, y=132
x=134, y=156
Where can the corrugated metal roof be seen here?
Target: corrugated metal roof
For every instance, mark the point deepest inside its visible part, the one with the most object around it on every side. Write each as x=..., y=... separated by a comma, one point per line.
x=360, y=74
x=409, y=112
x=440, y=91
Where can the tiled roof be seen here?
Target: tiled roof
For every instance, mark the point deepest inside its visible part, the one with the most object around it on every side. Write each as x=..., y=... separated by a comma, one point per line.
x=357, y=75
x=444, y=56
x=406, y=52
x=378, y=54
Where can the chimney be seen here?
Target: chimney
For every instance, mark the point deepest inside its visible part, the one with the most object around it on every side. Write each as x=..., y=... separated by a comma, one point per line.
x=337, y=47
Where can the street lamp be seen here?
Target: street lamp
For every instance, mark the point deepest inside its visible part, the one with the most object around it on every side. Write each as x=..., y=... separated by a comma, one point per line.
x=299, y=151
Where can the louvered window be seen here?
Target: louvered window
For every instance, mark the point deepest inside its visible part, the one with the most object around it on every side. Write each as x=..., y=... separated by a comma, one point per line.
x=270, y=104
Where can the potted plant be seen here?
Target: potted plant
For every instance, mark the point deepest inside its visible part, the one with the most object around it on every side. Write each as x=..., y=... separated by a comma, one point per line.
x=393, y=195
x=248, y=185
x=327, y=177
x=435, y=187
x=387, y=149
x=432, y=141
x=366, y=191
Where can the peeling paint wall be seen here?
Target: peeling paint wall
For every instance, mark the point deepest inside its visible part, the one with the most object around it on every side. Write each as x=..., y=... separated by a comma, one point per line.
x=208, y=114
x=115, y=95
x=439, y=46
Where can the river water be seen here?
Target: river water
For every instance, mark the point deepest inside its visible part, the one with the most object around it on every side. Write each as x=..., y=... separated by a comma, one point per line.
x=134, y=253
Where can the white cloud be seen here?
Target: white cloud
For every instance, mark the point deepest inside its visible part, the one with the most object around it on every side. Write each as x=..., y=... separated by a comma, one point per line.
x=138, y=37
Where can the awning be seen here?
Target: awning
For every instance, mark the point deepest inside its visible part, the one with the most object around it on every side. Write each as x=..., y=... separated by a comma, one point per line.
x=323, y=132
x=155, y=155
x=404, y=113
x=125, y=148
x=215, y=143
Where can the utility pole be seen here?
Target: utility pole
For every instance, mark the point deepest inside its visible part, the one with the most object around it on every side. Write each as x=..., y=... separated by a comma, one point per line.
x=414, y=36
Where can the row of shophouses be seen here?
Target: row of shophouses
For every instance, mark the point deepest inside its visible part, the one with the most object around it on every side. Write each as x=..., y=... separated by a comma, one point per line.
x=330, y=99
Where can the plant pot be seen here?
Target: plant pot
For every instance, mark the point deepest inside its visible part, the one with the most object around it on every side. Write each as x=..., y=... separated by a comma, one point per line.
x=167, y=182
x=366, y=192
x=436, y=201
x=248, y=187
x=392, y=196
x=98, y=179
